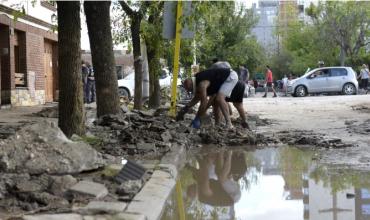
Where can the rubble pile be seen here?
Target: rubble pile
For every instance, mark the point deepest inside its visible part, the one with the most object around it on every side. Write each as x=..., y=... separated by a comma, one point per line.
x=43, y=148
x=359, y=128
x=146, y=132
x=309, y=138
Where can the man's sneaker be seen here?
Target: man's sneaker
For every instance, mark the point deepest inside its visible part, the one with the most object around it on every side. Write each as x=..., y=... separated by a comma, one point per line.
x=274, y=96
x=264, y=96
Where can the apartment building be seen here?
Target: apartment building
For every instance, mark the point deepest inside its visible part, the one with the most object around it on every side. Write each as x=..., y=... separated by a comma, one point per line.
x=28, y=53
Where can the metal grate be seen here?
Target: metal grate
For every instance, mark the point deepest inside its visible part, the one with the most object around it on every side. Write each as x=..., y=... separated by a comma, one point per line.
x=130, y=171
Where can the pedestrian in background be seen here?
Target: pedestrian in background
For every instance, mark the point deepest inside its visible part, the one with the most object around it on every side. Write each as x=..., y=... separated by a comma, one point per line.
x=268, y=82
x=91, y=89
x=364, y=76
x=243, y=74
x=85, y=73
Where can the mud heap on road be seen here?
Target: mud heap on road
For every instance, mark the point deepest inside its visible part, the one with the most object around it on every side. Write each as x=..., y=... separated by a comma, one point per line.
x=41, y=170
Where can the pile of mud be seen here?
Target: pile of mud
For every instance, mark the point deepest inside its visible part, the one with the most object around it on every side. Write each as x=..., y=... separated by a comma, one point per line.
x=43, y=148
x=35, y=167
x=364, y=108
x=153, y=132
x=358, y=127
x=308, y=138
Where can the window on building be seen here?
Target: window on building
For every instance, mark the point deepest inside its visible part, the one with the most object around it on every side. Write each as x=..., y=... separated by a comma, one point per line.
x=51, y=5
x=20, y=68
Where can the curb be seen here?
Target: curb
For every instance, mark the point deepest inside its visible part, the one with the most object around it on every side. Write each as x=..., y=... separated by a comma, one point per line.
x=150, y=201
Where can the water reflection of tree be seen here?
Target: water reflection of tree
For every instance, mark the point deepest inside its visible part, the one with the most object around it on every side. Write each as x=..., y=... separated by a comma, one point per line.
x=254, y=168
x=339, y=179
x=293, y=163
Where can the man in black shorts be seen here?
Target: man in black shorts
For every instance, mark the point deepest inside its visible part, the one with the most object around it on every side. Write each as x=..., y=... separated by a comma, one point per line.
x=236, y=98
x=217, y=83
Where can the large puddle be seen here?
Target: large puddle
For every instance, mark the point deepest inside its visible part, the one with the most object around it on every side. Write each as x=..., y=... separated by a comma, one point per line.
x=275, y=183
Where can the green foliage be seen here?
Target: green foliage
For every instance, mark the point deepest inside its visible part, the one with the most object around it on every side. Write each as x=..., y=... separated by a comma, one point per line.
x=335, y=27
x=222, y=30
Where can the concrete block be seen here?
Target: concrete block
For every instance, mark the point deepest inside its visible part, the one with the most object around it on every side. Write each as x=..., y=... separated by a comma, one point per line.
x=154, y=194
x=88, y=188
x=96, y=217
x=53, y=217
x=129, y=216
x=101, y=207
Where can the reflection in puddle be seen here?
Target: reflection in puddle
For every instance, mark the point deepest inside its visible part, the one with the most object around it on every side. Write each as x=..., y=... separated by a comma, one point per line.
x=275, y=183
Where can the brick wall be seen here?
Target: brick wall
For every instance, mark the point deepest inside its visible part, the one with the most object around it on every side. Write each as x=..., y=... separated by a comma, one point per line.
x=35, y=58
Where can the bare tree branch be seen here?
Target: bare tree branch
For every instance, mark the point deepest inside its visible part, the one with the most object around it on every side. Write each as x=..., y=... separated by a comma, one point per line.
x=127, y=8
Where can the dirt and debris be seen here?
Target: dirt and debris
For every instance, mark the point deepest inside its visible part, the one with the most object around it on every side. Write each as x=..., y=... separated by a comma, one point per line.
x=357, y=127
x=363, y=108
x=43, y=148
x=49, y=112
x=307, y=138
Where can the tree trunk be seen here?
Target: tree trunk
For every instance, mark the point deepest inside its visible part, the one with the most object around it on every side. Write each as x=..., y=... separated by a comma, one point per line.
x=71, y=108
x=98, y=24
x=342, y=56
x=135, y=34
x=154, y=67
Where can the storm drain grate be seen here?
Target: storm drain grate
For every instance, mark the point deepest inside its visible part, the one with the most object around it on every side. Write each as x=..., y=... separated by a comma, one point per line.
x=130, y=171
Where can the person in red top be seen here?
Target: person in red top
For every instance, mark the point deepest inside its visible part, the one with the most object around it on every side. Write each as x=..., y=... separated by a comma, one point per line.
x=268, y=81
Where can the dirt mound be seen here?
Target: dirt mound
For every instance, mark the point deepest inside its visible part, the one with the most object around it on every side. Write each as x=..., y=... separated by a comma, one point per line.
x=153, y=132
x=359, y=128
x=48, y=112
x=309, y=138
x=364, y=108
x=43, y=148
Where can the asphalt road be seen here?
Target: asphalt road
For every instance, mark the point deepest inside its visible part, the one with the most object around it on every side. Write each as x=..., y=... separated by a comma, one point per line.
x=344, y=117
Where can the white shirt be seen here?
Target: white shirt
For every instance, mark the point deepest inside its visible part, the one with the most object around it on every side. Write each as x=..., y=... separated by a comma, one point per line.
x=364, y=73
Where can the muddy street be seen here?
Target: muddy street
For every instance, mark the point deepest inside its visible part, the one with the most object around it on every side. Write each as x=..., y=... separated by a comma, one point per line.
x=343, y=119
x=315, y=165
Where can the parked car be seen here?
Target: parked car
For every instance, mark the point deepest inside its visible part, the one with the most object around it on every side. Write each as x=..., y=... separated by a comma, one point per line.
x=325, y=80
x=126, y=86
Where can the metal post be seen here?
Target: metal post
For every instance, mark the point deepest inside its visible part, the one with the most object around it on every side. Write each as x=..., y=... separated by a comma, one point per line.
x=180, y=202
x=176, y=60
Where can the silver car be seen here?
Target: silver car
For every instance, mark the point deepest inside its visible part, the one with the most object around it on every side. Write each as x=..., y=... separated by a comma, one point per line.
x=325, y=80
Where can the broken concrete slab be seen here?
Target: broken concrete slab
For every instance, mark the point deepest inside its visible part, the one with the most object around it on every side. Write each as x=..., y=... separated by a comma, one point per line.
x=43, y=148
x=154, y=195
x=87, y=188
x=130, y=187
x=102, y=207
x=61, y=184
x=166, y=136
x=129, y=216
x=53, y=217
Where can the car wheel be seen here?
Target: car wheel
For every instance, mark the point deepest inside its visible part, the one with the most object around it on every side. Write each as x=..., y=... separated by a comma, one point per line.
x=300, y=91
x=123, y=92
x=349, y=89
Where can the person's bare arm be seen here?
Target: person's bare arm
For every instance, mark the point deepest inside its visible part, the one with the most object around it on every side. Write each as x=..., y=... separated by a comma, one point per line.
x=211, y=101
x=202, y=94
x=193, y=101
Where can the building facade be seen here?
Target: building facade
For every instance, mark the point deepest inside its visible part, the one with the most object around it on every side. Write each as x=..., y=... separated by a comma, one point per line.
x=274, y=16
x=28, y=53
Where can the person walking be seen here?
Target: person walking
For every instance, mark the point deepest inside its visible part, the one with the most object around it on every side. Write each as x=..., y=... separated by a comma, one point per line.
x=243, y=74
x=91, y=89
x=364, y=75
x=268, y=82
x=85, y=73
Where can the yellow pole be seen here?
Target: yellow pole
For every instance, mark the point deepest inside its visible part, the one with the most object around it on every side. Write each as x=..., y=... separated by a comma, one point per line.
x=180, y=203
x=176, y=59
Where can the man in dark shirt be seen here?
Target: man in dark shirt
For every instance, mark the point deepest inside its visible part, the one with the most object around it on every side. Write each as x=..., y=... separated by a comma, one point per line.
x=217, y=83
